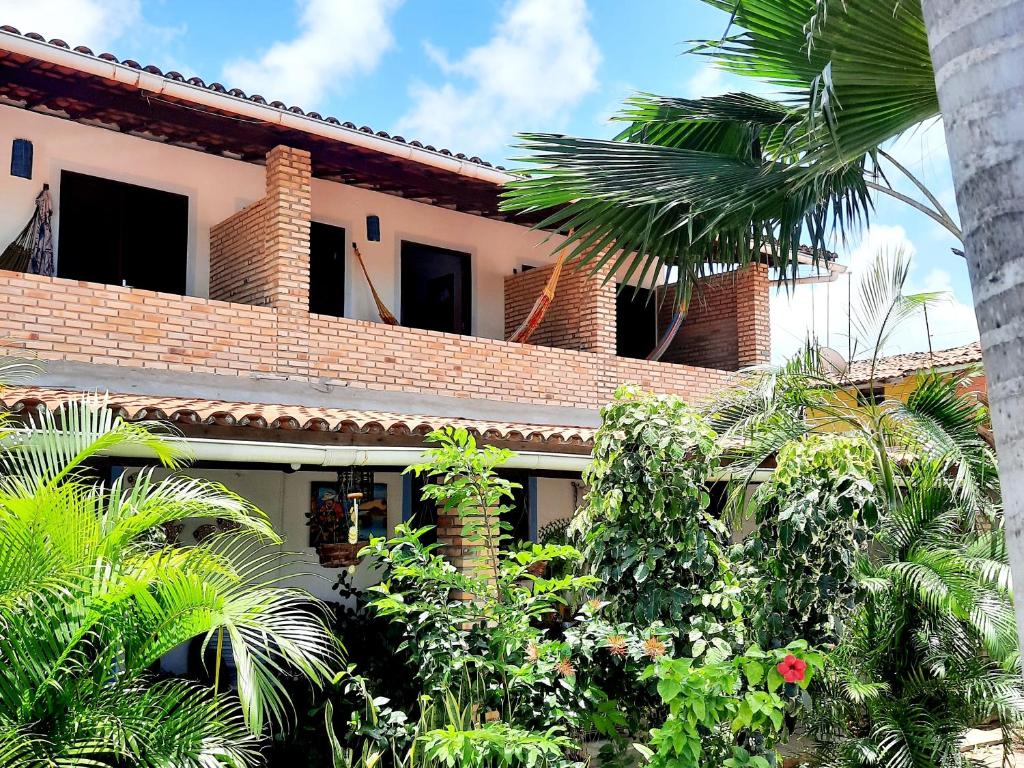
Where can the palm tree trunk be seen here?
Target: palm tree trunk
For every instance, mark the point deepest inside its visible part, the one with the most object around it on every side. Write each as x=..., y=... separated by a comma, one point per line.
x=977, y=48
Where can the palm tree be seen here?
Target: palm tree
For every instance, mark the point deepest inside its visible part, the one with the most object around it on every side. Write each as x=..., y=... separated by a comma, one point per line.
x=727, y=179
x=776, y=406
x=931, y=648
x=92, y=595
x=978, y=55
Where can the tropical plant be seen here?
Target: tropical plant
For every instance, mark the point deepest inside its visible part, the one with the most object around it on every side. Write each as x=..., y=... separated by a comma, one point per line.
x=813, y=518
x=976, y=56
x=931, y=649
x=692, y=182
x=92, y=595
x=689, y=183
x=480, y=630
x=711, y=704
x=776, y=406
x=646, y=531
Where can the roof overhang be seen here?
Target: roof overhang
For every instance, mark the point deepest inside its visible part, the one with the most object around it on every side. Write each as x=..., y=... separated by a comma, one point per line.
x=323, y=431
x=50, y=77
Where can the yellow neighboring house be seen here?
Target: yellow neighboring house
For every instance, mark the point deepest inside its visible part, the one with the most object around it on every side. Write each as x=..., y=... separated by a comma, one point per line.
x=896, y=376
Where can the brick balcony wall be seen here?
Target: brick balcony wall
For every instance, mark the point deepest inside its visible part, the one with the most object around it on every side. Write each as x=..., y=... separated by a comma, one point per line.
x=728, y=325
x=582, y=315
x=61, y=319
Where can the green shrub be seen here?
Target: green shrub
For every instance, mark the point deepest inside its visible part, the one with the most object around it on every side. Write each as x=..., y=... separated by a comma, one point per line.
x=646, y=532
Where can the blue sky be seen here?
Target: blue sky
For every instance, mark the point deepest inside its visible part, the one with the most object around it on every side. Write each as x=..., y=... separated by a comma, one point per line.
x=468, y=74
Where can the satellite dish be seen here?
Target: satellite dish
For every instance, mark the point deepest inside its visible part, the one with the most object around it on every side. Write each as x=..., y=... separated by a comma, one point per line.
x=833, y=362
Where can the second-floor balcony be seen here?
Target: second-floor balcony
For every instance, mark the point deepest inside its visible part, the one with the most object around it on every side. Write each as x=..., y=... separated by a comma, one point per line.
x=82, y=322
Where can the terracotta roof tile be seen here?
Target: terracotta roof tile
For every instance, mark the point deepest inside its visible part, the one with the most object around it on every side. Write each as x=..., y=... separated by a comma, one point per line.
x=239, y=93
x=898, y=366
x=197, y=412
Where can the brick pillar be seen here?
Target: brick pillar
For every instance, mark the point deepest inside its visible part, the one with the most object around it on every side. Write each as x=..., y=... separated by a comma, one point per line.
x=753, y=318
x=286, y=238
x=286, y=241
x=260, y=255
x=468, y=554
x=597, y=313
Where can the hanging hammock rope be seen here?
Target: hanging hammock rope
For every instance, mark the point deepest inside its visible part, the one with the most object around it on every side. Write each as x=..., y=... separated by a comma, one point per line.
x=525, y=330
x=682, y=308
x=385, y=314
x=32, y=250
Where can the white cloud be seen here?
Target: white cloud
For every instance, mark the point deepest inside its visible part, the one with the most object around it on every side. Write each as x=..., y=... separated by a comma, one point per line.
x=821, y=310
x=95, y=23
x=539, y=63
x=337, y=39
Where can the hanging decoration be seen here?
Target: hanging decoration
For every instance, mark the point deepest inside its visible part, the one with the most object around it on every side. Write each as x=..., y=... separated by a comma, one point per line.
x=333, y=517
x=32, y=250
x=385, y=314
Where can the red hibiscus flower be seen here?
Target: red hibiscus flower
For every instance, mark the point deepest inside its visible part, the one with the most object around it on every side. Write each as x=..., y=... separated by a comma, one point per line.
x=792, y=669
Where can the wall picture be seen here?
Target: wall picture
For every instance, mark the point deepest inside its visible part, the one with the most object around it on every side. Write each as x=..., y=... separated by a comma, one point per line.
x=329, y=515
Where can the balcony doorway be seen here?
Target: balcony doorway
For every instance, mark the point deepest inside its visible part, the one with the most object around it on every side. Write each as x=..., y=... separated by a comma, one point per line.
x=436, y=289
x=636, y=322
x=122, y=234
x=326, y=270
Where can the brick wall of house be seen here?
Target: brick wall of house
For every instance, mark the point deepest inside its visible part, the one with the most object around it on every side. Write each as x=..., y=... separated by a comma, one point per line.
x=582, y=315
x=727, y=326
x=260, y=255
x=89, y=322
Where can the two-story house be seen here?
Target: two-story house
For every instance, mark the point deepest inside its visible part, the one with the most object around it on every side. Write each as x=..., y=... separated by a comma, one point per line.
x=205, y=274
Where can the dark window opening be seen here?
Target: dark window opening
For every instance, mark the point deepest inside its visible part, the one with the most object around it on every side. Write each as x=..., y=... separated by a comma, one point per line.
x=636, y=322
x=326, y=269
x=436, y=289
x=870, y=395
x=423, y=512
x=122, y=234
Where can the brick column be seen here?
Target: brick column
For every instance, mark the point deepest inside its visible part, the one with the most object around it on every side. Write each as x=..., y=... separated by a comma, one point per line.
x=286, y=238
x=468, y=554
x=260, y=255
x=753, y=317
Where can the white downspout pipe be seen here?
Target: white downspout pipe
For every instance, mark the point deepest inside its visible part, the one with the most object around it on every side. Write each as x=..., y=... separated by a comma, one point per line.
x=157, y=85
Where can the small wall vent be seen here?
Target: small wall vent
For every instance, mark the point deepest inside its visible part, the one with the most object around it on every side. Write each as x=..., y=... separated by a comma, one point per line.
x=21, y=159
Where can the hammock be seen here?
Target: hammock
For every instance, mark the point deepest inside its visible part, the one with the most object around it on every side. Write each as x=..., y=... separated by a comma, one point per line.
x=525, y=330
x=32, y=250
x=673, y=328
x=382, y=310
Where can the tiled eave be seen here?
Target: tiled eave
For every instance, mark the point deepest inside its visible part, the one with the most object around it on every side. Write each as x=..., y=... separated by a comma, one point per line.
x=296, y=423
x=52, y=78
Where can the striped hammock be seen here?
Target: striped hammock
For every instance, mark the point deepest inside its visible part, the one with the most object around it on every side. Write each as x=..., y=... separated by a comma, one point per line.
x=32, y=250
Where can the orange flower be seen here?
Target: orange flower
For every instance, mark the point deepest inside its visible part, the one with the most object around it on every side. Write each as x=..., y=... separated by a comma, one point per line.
x=532, y=652
x=565, y=668
x=617, y=645
x=654, y=648
x=595, y=605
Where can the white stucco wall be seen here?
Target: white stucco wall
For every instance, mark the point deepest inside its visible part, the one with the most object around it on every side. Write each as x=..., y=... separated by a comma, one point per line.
x=555, y=497
x=219, y=186
x=285, y=497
